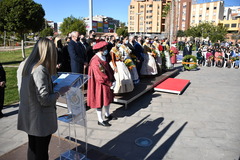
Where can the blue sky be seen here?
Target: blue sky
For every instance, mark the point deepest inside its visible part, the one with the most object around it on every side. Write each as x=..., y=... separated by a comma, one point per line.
x=57, y=10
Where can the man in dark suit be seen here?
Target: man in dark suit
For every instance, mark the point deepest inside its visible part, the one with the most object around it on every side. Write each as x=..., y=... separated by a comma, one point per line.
x=137, y=50
x=2, y=88
x=138, y=53
x=110, y=45
x=77, y=54
x=187, y=51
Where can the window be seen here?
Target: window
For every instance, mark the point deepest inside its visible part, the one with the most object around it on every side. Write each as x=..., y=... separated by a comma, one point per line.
x=207, y=8
x=131, y=7
x=193, y=21
x=149, y=11
x=200, y=15
x=226, y=25
x=131, y=23
x=131, y=17
x=149, y=5
x=214, y=7
x=233, y=25
x=200, y=21
x=142, y=6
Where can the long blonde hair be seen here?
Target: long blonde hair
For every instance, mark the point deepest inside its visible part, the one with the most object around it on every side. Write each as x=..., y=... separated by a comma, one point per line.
x=44, y=53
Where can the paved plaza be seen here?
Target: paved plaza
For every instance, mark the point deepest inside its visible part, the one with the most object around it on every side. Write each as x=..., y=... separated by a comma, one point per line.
x=201, y=124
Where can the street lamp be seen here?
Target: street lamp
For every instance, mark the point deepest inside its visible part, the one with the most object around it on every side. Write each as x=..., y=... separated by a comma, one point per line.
x=137, y=25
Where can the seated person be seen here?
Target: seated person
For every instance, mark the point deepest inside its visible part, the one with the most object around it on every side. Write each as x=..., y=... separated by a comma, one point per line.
x=218, y=58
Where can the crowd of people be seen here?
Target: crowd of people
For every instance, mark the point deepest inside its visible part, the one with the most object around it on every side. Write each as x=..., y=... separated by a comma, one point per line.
x=219, y=55
x=115, y=66
x=130, y=57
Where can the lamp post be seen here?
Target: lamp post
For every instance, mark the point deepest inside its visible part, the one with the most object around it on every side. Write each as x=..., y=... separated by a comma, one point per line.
x=137, y=24
x=90, y=14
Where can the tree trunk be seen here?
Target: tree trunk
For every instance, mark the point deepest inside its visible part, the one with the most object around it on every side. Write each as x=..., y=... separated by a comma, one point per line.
x=23, y=50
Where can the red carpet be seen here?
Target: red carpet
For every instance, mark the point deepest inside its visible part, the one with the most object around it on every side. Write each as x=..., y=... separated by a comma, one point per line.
x=172, y=85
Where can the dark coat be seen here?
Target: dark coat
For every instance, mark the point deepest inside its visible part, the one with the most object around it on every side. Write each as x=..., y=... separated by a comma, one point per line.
x=2, y=74
x=187, y=51
x=77, y=56
x=138, y=51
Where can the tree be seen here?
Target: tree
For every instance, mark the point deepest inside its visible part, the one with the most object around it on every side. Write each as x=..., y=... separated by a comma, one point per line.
x=73, y=24
x=180, y=33
x=21, y=16
x=218, y=33
x=46, y=32
x=122, y=31
x=205, y=29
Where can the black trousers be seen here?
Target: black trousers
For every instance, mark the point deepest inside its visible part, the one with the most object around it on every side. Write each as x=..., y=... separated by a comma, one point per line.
x=1, y=98
x=38, y=147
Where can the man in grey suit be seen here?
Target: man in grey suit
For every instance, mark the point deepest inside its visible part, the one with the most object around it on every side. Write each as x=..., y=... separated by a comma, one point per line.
x=77, y=53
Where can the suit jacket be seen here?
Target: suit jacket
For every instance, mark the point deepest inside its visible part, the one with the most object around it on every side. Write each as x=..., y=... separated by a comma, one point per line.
x=37, y=109
x=187, y=51
x=2, y=74
x=130, y=46
x=77, y=56
x=138, y=51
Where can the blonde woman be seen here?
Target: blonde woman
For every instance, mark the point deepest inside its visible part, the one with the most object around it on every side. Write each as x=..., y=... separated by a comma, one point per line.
x=37, y=110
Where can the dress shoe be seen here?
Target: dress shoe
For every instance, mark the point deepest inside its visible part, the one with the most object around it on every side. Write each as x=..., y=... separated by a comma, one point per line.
x=2, y=115
x=110, y=117
x=104, y=123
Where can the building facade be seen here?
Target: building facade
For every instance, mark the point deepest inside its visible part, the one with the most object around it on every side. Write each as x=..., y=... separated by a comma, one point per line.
x=102, y=24
x=211, y=12
x=184, y=14
x=145, y=16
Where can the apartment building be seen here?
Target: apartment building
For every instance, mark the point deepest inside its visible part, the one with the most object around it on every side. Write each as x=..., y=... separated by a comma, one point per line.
x=145, y=16
x=184, y=14
x=207, y=12
x=102, y=24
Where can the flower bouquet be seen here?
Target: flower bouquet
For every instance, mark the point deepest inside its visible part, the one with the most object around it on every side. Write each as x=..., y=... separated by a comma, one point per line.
x=211, y=57
x=129, y=63
x=219, y=57
x=171, y=53
x=154, y=52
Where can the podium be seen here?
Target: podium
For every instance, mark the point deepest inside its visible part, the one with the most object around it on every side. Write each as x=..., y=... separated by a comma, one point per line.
x=76, y=108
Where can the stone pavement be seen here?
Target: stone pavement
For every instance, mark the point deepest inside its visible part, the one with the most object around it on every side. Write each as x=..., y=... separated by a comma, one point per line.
x=201, y=124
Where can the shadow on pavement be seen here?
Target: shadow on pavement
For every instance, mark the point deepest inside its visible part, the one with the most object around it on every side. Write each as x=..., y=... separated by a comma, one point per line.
x=124, y=147
x=135, y=106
